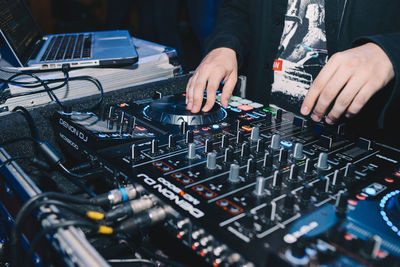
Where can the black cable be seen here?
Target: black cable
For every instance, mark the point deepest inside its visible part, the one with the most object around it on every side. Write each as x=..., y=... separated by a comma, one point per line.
x=9, y=160
x=72, y=208
x=28, y=208
x=54, y=159
x=73, y=177
x=50, y=229
x=160, y=258
x=45, y=83
x=130, y=261
x=32, y=126
x=40, y=82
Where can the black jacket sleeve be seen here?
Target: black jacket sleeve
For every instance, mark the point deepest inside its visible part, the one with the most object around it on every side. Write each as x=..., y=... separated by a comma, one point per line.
x=232, y=28
x=390, y=44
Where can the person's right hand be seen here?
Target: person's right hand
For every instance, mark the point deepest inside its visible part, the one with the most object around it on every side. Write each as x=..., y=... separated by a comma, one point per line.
x=220, y=64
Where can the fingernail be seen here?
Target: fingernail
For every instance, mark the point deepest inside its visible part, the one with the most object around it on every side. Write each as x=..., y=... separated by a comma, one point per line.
x=304, y=110
x=328, y=120
x=315, y=117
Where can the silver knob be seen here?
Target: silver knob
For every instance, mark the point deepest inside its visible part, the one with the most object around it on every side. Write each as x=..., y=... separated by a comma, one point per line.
x=234, y=174
x=255, y=133
x=191, y=151
x=276, y=142
x=211, y=161
x=298, y=152
x=322, y=163
x=260, y=187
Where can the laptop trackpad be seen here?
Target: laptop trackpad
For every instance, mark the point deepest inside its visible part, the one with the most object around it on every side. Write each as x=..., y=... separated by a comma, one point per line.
x=110, y=46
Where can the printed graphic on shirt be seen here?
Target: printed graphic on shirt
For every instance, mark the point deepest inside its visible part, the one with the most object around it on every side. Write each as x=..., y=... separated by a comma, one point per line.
x=301, y=54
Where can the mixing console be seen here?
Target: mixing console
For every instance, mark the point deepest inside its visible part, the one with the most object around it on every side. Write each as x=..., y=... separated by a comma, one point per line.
x=250, y=185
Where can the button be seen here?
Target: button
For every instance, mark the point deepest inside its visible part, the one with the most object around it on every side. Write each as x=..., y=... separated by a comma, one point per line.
x=286, y=144
x=223, y=203
x=245, y=107
x=370, y=191
x=234, y=209
x=246, y=102
x=199, y=188
x=236, y=110
x=140, y=128
x=209, y=194
x=215, y=126
x=235, y=104
x=186, y=180
x=389, y=180
x=246, y=128
x=254, y=116
x=235, y=98
x=256, y=105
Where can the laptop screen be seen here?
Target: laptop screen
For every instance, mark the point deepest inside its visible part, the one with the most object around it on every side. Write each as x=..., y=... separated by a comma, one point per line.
x=18, y=28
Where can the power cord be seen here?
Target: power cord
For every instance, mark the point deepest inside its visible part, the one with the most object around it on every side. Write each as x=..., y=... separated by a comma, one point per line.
x=38, y=82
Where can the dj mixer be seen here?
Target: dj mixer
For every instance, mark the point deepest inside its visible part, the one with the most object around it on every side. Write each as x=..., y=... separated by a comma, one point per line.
x=249, y=185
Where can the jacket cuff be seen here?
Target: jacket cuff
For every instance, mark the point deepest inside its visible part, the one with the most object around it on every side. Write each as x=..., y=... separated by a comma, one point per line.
x=225, y=40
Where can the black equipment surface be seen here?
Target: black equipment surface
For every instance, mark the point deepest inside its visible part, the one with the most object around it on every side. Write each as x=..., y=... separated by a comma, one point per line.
x=251, y=185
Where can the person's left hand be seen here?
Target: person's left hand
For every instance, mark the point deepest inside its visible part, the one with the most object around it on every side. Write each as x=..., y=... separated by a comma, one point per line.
x=352, y=77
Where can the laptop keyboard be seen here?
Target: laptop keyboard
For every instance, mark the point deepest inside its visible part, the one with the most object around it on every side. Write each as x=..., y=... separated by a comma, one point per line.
x=63, y=47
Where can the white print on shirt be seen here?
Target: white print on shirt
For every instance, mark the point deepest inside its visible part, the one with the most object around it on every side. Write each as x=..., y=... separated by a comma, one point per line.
x=301, y=54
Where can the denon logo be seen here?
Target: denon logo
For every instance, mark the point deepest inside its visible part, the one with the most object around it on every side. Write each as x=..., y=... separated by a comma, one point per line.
x=73, y=130
x=174, y=194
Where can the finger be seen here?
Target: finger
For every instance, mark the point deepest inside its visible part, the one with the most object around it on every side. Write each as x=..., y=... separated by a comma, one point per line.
x=212, y=87
x=345, y=98
x=198, y=92
x=366, y=92
x=227, y=90
x=189, y=91
x=319, y=83
x=332, y=88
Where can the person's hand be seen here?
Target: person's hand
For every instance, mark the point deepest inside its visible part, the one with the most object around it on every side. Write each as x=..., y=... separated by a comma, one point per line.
x=220, y=64
x=352, y=77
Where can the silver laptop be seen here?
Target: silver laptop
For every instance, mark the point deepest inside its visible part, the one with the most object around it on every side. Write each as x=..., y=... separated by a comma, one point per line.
x=30, y=50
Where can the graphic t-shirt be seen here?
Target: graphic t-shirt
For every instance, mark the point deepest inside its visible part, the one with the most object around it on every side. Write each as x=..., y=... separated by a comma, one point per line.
x=301, y=54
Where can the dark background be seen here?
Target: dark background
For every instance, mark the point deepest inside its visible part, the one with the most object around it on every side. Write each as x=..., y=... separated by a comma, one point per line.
x=181, y=24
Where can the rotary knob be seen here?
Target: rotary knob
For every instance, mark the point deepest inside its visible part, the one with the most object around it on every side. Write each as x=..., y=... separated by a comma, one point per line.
x=211, y=161
x=298, y=154
x=191, y=151
x=234, y=174
x=275, y=142
x=322, y=164
x=259, y=189
x=255, y=134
